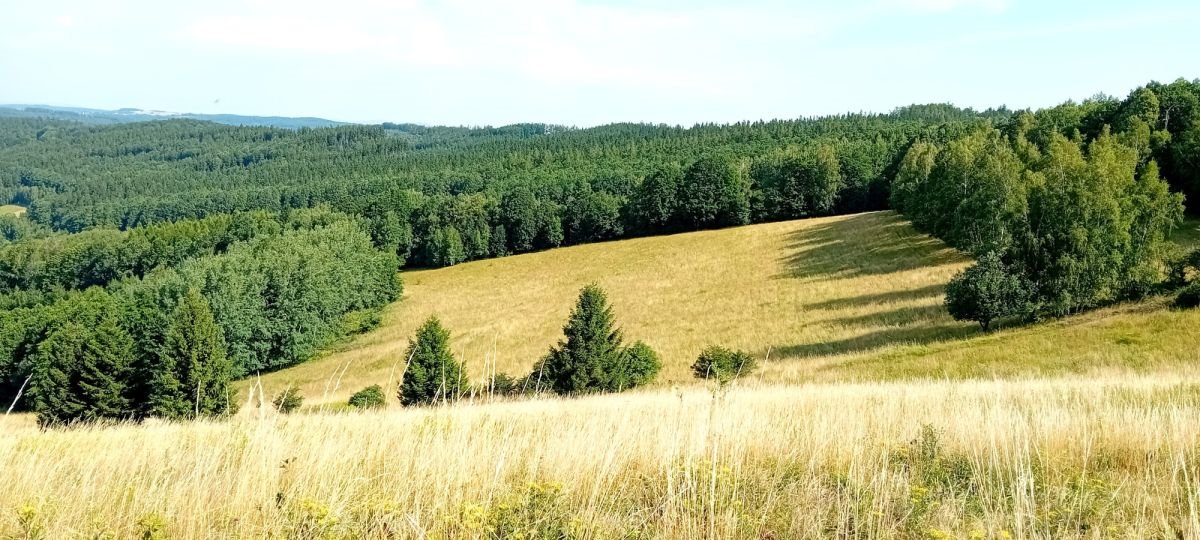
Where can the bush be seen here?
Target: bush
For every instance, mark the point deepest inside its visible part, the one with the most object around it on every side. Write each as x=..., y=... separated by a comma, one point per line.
x=1189, y=297
x=985, y=292
x=371, y=397
x=723, y=364
x=641, y=365
x=288, y=400
x=503, y=384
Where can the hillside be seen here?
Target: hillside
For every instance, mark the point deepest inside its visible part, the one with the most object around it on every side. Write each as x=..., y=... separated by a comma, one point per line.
x=854, y=297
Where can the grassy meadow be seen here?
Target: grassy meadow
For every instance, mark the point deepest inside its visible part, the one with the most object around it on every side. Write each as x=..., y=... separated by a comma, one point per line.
x=874, y=415
x=11, y=209
x=1094, y=457
x=843, y=298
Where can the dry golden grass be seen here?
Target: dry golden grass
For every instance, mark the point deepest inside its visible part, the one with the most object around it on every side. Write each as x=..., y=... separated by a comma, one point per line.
x=1102, y=457
x=11, y=209
x=843, y=298
x=801, y=288
x=907, y=424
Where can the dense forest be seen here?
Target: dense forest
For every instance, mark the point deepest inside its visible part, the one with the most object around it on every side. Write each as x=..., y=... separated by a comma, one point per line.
x=159, y=260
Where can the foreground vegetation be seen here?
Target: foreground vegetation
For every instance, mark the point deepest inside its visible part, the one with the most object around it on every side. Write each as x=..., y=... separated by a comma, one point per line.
x=1111, y=457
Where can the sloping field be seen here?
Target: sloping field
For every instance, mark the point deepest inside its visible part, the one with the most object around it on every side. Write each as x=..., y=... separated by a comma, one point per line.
x=11, y=209
x=843, y=298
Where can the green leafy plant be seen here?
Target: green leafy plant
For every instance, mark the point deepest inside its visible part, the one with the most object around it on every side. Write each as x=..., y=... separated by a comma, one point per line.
x=289, y=400
x=371, y=397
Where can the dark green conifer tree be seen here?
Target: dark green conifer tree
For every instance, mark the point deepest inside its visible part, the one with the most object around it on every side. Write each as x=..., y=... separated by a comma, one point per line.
x=585, y=360
x=433, y=374
x=193, y=373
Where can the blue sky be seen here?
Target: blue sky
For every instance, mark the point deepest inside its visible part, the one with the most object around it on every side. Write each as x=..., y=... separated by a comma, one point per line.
x=584, y=62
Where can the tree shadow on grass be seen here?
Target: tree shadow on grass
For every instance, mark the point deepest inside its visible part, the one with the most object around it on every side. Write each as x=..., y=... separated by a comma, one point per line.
x=927, y=291
x=906, y=316
x=909, y=335
x=871, y=243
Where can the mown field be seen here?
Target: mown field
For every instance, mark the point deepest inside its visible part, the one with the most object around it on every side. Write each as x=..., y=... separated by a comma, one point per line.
x=11, y=209
x=833, y=299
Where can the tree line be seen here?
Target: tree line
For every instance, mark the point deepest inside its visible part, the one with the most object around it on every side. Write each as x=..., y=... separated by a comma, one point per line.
x=1066, y=209
x=168, y=341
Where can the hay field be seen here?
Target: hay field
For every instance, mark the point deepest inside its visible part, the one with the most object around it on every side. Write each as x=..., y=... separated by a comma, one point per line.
x=11, y=209
x=844, y=298
x=803, y=289
x=1095, y=457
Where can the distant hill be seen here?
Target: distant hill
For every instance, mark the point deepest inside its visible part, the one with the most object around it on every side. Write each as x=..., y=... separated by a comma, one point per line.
x=125, y=115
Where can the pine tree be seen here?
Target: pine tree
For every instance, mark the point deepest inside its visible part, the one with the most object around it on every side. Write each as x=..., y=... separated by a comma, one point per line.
x=591, y=352
x=432, y=375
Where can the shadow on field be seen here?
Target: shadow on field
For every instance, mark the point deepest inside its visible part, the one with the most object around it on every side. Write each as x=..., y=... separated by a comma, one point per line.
x=920, y=335
x=862, y=244
x=906, y=316
x=890, y=296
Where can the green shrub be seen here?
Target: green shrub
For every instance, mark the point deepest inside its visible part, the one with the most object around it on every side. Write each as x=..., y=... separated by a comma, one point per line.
x=1189, y=297
x=641, y=365
x=723, y=364
x=371, y=397
x=504, y=384
x=359, y=321
x=985, y=292
x=288, y=400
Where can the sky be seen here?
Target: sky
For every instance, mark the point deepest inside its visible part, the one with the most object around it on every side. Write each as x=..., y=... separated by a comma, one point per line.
x=584, y=62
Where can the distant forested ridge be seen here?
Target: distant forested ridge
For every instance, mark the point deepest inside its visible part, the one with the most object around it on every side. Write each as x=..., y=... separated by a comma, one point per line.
x=443, y=195
x=157, y=259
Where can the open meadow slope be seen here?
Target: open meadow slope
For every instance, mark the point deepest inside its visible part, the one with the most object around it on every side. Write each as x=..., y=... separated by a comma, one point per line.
x=11, y=209
x=854, y=297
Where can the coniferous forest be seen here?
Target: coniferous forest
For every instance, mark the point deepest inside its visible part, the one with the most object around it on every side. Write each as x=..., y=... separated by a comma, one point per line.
x=158, y=261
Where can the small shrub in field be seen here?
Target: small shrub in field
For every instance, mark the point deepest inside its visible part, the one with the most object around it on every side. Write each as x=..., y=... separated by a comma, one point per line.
x=641, y=365
x=359, y=321
x=985, y=292
x=288, y=400
x=504, y=384
x=723, y=364
x=371, y=397
x=1189, y=297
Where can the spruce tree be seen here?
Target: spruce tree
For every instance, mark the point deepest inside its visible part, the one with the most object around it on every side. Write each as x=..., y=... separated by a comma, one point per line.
x=193, y=373
x=591, y=352
x=432, y=375
x=82, y=370
x=105, y=369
